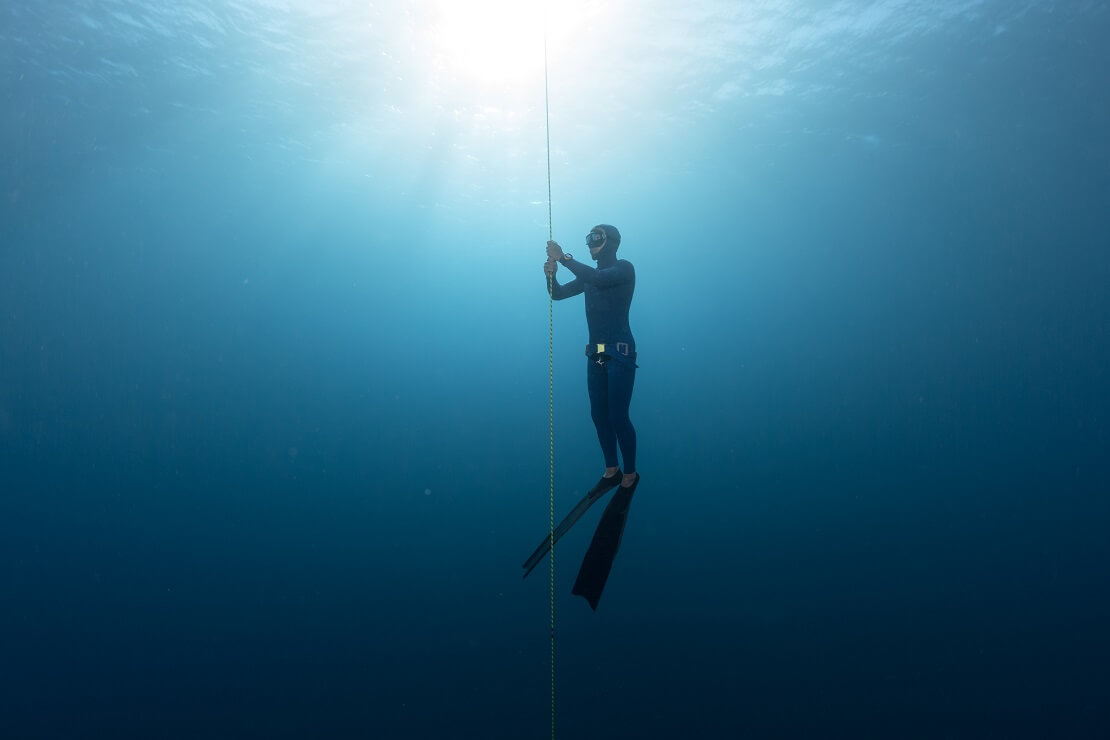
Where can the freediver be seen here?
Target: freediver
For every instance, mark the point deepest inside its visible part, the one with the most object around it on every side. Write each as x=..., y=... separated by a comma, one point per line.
x=610, y=375
x=611, y=353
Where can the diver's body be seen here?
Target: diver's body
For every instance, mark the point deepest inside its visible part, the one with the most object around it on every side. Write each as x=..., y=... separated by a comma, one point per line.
x=611, y=353
x=610, y=373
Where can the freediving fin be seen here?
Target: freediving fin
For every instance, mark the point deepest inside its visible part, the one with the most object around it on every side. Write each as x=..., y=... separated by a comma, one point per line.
x=603, y=548
x=592, y=496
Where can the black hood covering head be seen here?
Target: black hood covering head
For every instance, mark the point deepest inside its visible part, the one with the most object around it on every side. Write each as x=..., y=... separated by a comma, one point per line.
x=612, y=242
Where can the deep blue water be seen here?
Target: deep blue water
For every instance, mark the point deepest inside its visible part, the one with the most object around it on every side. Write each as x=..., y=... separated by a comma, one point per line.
x=274, y=369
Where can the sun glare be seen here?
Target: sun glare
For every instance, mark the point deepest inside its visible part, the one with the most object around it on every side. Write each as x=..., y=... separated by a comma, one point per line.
x=497, y=41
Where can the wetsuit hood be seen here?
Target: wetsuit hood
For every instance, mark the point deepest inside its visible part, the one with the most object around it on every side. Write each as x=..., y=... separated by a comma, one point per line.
x=608, y=253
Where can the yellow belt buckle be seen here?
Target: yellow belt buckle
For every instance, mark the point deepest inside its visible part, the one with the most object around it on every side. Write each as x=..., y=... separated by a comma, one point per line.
x=600, y=348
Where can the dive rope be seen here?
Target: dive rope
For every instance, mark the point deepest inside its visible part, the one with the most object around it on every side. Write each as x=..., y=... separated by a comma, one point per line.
x=550, y=376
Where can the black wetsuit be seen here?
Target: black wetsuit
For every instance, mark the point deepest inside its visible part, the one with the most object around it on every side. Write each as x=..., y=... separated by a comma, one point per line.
x=611, y=375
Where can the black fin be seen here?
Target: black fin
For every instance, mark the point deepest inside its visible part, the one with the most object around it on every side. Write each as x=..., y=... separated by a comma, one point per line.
x=603, y=486
x=603, y=548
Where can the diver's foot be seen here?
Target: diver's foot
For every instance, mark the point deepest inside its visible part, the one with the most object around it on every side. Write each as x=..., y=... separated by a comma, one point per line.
x=610, y=472
x=629, y=480
x=608, y=482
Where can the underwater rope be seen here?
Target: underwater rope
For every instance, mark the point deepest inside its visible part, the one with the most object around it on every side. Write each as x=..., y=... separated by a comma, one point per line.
x=550, y=377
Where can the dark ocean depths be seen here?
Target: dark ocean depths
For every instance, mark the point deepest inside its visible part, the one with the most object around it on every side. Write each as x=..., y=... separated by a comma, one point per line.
x=274, y=368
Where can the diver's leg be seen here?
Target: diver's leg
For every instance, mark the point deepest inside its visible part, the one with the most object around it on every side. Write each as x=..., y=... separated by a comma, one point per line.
x=622, y=376
x=597, y=381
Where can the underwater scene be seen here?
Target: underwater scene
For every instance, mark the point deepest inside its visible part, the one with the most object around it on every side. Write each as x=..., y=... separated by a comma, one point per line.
x=293, y=302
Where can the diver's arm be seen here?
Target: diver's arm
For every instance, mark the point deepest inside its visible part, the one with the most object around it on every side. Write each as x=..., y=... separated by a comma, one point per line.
x=571, y=289
x=602, y=277
x=555, y=255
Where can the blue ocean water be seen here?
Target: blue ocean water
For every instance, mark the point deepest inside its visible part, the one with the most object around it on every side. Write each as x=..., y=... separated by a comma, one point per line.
x=274, y=363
